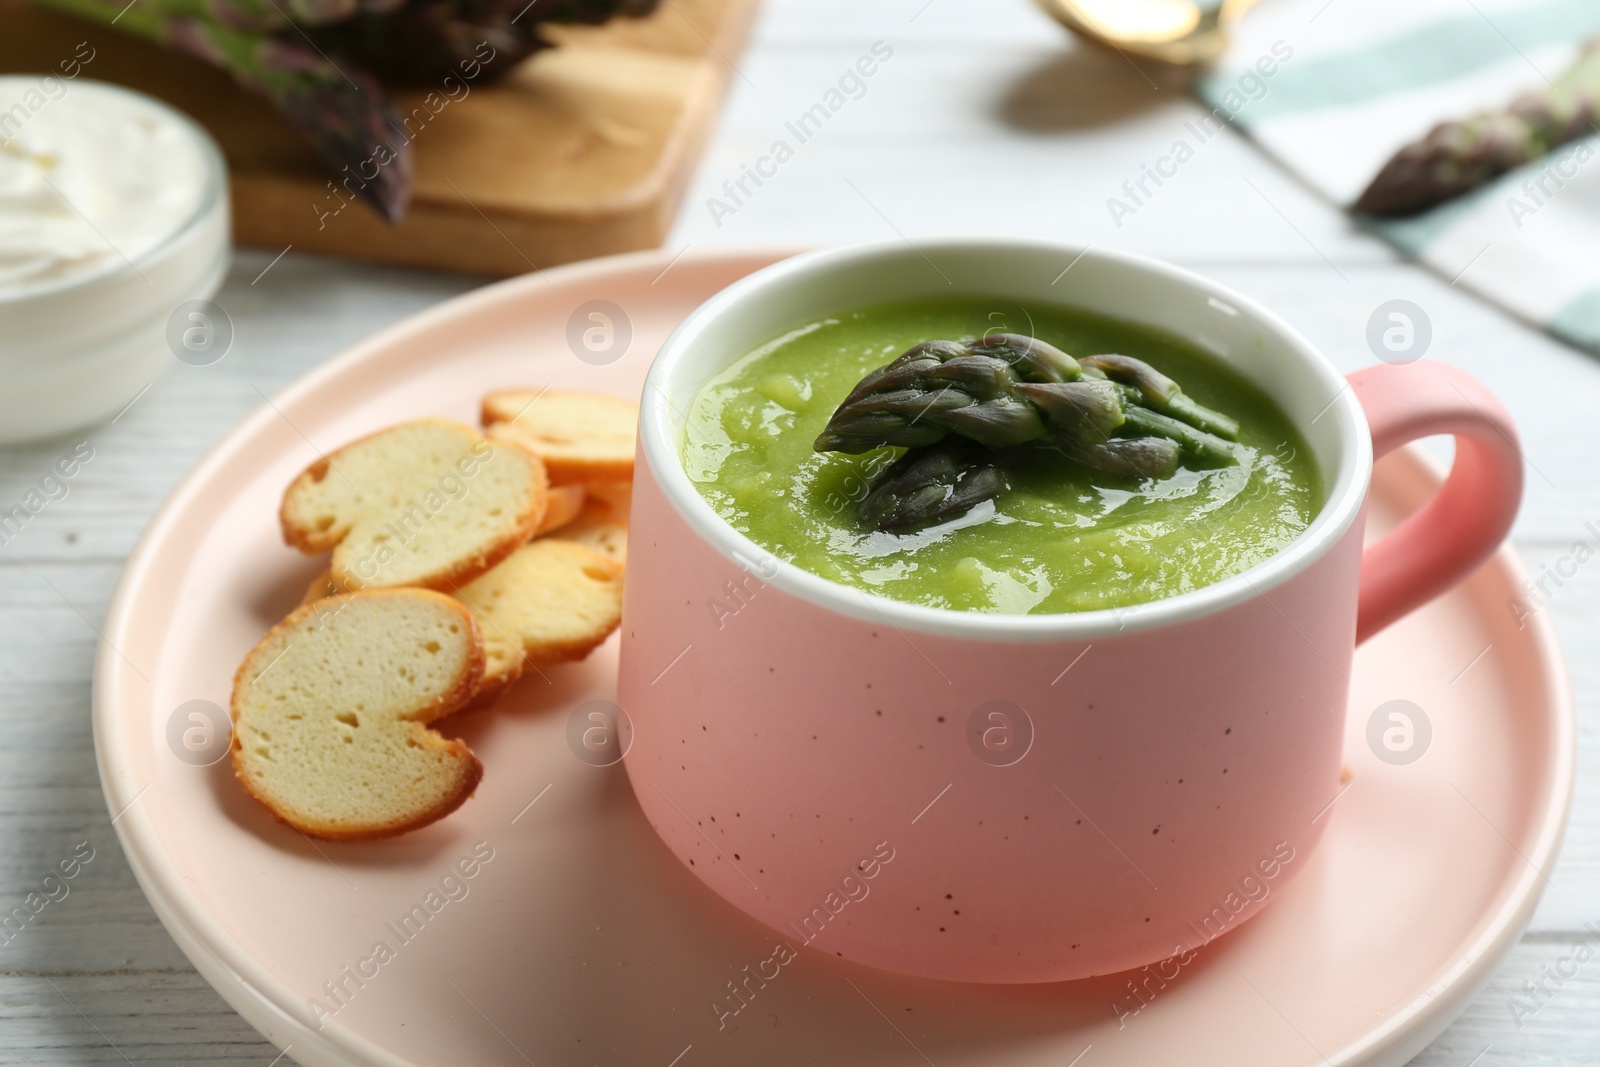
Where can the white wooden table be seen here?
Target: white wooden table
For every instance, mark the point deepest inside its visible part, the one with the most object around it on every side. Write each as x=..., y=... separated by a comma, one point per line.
x=984, y=119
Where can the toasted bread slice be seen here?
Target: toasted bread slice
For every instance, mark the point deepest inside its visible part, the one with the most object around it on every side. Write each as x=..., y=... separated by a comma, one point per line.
x=551, y=602
x=565, y=502
x=321, y=586
x=428, y=503
x=618, y=496
x=331, y=713
x=598, y=526
x=581, y=437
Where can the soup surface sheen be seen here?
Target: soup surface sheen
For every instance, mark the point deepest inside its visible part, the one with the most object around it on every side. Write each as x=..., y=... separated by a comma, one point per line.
x=1061, y=539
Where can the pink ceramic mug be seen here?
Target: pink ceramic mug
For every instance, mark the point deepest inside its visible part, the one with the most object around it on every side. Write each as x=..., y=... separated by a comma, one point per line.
x=1022, y=798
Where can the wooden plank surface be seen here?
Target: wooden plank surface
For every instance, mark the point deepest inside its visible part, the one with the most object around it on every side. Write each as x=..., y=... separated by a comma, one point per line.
x=583, y=150
x=983, y=120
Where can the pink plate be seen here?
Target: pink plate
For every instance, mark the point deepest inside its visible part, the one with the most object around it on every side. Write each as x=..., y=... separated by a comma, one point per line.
x=579, y=940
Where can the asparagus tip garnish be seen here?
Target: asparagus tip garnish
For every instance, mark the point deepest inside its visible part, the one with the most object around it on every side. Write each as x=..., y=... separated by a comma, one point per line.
x=955, y=404
x=930, y=485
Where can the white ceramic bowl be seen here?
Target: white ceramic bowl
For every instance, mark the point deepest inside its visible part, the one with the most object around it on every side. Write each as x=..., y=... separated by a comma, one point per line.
x=76, y=350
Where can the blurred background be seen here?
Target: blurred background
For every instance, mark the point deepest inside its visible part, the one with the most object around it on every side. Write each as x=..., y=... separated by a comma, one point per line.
x=977, y=116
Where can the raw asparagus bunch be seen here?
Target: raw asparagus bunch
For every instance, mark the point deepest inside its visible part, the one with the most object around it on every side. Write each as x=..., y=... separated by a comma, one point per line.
x=319, y=62
x=340, y=110
x=960, y=406
x=421, y=42
x=1456, y=157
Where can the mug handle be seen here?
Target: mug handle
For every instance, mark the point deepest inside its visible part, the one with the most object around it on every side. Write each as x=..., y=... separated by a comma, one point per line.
x=1469, y=517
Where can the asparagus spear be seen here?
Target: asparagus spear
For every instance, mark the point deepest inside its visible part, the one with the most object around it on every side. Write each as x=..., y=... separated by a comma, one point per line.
x=316, y=61
x=1009, y=390
x=955, y=405
x=1083, y=414
x=929, y=485
x=339, y=109
x=1127, y=457
x=425, y=41
x=1161, y=393
x=1456, y=157
x=1033, y=359
x=934, y=388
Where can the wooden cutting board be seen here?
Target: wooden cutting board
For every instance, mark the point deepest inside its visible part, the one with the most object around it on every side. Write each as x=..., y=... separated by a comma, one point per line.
x=584, y=150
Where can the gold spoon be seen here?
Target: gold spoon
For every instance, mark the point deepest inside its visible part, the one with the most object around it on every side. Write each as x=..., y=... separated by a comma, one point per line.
x=1180, y=32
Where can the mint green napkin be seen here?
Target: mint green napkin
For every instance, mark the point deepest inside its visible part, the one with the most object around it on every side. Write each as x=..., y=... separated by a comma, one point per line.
x=1333, y=88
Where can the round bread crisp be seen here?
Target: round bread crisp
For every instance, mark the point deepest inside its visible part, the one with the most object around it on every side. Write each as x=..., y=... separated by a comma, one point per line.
x=428, y=503
x=581, y=437
x=617, y=495
x=565, y=502
x=321, y=586
x=552, y=601
x=599, y=526
x=331, y=713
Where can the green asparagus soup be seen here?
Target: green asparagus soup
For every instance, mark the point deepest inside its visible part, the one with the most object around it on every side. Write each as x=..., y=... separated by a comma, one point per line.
x=1057, y=526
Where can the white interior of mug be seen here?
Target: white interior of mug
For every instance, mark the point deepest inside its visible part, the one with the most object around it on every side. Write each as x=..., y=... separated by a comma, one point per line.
x=814, y=285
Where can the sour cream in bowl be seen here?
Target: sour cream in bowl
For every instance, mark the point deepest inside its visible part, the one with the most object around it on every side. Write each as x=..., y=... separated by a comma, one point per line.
x=113, y=216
